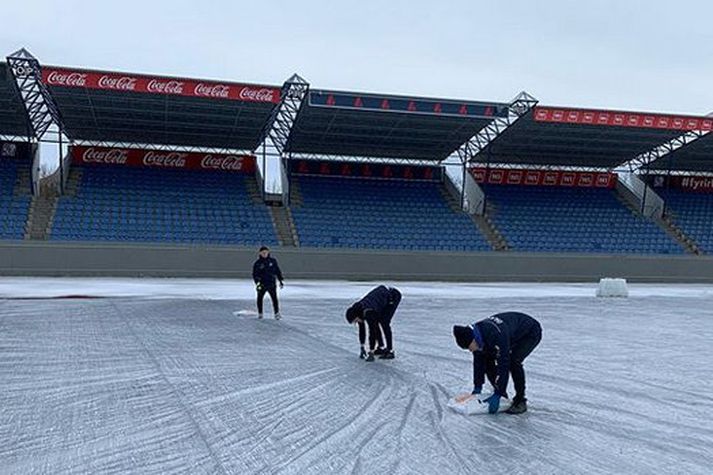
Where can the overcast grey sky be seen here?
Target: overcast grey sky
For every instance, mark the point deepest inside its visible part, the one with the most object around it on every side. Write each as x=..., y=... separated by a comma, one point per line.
x=629, y=54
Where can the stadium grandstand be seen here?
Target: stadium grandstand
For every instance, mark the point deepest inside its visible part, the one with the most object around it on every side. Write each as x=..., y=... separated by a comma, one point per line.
x=166, y=160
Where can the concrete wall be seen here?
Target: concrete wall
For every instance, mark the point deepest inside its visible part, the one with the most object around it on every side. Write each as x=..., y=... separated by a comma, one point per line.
x=77, y=259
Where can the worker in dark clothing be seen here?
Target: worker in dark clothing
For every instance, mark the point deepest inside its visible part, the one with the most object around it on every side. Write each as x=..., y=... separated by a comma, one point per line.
x=266, y=273
x=500, y=344
x=375, y=310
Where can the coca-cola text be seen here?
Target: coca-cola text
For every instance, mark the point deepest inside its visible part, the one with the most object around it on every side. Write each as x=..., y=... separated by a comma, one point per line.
x=109, y=156
x=165, y=159
x=123, y=83
x=224, y=162
x=58, y=78
x=165, y=86
x=212, y=90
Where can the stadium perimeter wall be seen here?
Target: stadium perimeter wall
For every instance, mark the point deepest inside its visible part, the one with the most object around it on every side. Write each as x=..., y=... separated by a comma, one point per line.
x=93, y=259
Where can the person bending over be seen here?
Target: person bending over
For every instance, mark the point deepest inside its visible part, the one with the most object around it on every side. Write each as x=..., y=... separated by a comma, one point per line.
x=500, y=344
x=375, y=310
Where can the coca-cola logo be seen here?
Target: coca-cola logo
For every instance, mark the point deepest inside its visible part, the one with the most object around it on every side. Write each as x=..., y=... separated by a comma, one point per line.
x=165, y=159
x=123, y=83
x=212, y=90
x=59, y=78
x=227, y=162
x=257, y=94
x=111, y=156
x=165, y=86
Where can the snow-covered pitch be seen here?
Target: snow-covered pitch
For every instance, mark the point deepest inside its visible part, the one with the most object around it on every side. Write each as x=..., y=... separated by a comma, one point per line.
x=162, y=377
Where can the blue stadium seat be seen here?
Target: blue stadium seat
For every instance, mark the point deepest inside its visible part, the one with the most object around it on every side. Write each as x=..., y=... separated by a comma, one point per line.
x=171, y=206
x=367, y=213
x=14, y=207
x=693, y=213
x=562, y=219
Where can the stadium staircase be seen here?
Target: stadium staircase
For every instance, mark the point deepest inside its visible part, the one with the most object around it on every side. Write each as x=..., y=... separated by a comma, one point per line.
x=563, y=219
x=39, y=218
x=43, y=209
x=668, y=223
x=665, y=223
x=483, y=223
x=284, y=226
x=690, y=214
x=281, y=217
x=490, y=230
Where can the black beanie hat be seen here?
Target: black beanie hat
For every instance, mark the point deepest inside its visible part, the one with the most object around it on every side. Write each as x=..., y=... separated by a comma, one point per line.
x=354, y=311
x=464, y=335
x=264, y=248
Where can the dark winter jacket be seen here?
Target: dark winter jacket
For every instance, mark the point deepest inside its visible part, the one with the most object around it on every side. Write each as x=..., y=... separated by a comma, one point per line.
x=501, y=334
x=379, y=306
x=266, y=272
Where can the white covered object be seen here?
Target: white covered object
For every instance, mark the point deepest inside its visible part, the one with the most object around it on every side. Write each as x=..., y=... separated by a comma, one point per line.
x=612, y=288
x=474, y=404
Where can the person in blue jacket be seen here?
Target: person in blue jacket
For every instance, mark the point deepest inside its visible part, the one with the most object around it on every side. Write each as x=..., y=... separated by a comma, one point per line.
x=500, y=344
x=266, y=273
x=375, y=310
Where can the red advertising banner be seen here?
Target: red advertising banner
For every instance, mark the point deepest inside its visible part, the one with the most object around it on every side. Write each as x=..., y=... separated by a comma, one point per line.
x=503, y=176
x=622, y=119
x=159, y=85
x=129, y=157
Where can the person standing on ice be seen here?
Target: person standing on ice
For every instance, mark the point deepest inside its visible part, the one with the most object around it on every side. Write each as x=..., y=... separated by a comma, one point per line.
x=375, y=309
x=266, y=273
x=500, y=344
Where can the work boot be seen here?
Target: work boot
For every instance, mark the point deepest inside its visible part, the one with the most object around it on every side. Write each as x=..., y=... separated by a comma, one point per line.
x=518, y=406
x=388, y=355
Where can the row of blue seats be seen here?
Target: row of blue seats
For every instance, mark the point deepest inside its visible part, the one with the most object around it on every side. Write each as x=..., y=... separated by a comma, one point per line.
x=366, y=213
x=399, y=247
x=164, y=239
x=131, y=227
x=13, y=208
x=693, y=213
x=173, y=213
x=153, y=205
x=575, y=221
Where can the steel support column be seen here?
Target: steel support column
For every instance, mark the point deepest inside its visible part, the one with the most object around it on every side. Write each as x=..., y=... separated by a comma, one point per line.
x=276, y=133
x=43, y=115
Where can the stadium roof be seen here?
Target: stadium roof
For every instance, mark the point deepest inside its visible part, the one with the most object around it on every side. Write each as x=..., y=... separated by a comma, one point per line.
x=556, y=136
x=371, y=125
x=696, y=156
x=128, y=107
x=13, y=118
x=117, y=108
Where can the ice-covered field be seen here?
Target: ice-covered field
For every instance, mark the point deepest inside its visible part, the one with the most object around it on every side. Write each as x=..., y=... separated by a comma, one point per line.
x=162, y=377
